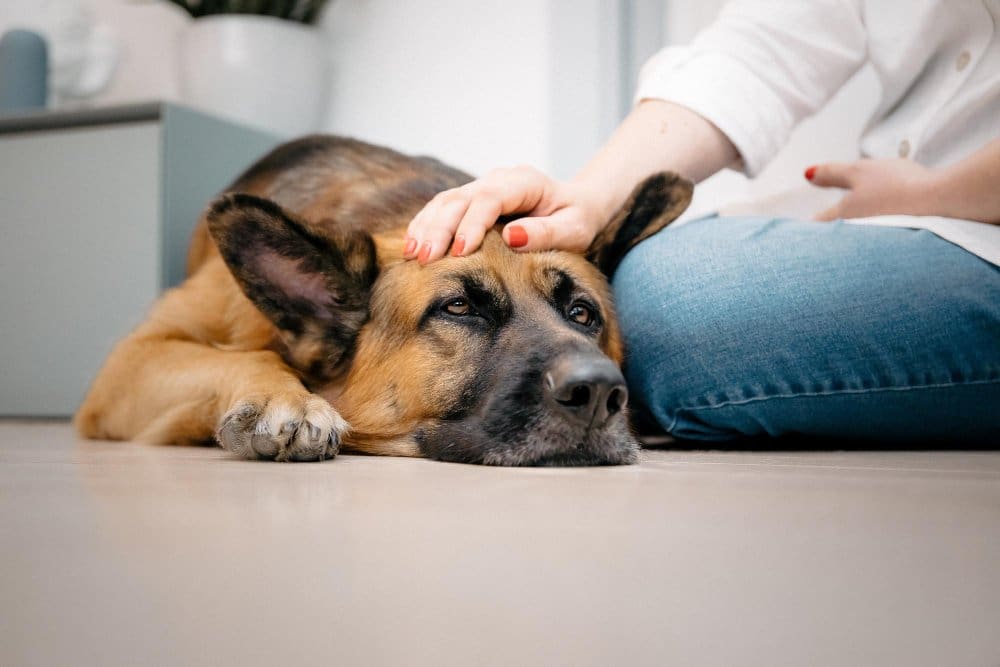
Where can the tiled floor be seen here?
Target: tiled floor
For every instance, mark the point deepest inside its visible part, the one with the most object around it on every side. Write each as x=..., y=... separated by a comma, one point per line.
x=125, y=554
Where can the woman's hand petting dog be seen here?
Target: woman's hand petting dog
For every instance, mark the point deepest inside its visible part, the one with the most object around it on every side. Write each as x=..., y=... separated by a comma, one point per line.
x=559, y=216
x=656, y=137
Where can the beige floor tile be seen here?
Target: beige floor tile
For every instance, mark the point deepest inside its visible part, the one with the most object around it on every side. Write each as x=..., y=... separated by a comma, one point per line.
x=127, y=554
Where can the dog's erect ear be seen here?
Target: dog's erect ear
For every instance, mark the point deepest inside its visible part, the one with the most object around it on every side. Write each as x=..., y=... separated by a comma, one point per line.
x=653, y=204
x=314, y=289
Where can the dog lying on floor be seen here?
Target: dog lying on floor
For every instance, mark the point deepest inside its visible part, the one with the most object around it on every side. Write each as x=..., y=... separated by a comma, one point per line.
x=300, y=329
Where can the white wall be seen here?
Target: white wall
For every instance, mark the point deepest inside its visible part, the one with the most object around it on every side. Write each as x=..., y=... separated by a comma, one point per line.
x=464, y=81
x=480, y=84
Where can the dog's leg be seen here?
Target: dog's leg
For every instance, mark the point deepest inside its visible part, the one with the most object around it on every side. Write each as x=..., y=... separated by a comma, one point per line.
x=197, y=369
x=172, y=391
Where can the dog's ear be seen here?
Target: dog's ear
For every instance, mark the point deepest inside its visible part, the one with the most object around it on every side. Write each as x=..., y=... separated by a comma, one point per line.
x=314, y=289
x=654, y=203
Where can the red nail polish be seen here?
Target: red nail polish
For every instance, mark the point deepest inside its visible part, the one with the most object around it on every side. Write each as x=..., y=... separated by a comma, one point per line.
x=425, y=251
x=810, y=173
x=458, y=246
x=518, y=237
x=411, y=245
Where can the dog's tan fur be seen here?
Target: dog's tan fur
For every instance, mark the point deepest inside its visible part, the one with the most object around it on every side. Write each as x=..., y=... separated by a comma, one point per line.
x=208, y=357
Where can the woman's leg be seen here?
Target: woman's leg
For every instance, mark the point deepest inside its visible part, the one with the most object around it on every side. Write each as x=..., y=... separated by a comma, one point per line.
x=756, y=327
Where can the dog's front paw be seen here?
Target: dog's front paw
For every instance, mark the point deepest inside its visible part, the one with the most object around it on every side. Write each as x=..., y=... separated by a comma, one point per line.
x=283, y=427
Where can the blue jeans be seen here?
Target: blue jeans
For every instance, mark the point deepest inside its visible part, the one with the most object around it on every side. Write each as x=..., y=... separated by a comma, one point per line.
x=748, y=327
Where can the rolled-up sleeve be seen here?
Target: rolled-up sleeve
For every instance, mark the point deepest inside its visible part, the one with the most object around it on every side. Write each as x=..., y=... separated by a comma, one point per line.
x=760, y=68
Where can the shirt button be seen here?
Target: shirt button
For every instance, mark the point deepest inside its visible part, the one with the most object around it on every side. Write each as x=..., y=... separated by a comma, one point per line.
x=904, y=148
x=963, y=60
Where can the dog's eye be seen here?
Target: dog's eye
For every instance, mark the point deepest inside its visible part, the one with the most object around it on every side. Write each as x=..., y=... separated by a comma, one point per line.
x=582, y=314
x=457, y=307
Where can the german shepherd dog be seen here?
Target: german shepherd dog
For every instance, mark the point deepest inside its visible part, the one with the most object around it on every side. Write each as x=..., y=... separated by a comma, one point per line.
x=300, y=329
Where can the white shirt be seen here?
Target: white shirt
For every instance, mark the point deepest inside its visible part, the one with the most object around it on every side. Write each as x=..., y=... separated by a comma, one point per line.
x=764, y=65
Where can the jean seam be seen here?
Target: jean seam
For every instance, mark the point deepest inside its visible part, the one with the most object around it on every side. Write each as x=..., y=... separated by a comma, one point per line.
x=837, y=392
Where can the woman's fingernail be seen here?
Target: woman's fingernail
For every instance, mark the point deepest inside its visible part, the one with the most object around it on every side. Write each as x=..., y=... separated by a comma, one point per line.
x=411, y=245
x=810, y=173
x=458, y=246
x=517, y=237
x=425, y=252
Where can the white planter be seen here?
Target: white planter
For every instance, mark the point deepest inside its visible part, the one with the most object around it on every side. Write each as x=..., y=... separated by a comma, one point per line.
x=262, y=71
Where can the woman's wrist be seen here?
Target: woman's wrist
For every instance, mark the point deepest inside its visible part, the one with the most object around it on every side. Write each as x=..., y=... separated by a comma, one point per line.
x=968, y=189
x=656, y=136
x=936, y=194
x=948, y=194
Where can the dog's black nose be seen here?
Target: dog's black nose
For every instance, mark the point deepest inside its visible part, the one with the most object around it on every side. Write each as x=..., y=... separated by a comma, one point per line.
x=586, y=387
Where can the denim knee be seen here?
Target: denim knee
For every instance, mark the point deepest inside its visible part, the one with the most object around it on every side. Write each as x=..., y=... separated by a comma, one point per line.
x=751, y=327
x=666, y=300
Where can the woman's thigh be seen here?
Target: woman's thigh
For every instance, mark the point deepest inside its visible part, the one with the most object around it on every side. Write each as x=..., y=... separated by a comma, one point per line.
x=753, y=327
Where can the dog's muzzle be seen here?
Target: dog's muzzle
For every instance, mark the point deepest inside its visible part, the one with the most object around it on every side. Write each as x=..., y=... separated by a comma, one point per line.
x=585, y=388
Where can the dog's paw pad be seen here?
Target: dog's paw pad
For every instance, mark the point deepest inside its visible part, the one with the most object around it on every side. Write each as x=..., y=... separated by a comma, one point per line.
x=283, y=428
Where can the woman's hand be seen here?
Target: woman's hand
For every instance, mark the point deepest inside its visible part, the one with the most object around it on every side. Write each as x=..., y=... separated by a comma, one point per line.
x=968, y=189
x=879, y=187
x=656, y=136
x=558, y=215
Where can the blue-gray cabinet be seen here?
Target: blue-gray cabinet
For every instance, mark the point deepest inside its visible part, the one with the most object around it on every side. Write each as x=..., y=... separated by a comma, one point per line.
x=96, y=209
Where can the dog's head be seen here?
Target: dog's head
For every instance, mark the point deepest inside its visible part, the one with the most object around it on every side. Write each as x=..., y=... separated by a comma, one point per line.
x=500, y=357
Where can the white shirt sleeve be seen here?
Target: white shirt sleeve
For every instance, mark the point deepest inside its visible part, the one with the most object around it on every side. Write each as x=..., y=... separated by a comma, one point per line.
x=760, y=68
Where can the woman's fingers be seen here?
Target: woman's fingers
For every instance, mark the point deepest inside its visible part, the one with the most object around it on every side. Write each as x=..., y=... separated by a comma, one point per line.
x=466, y=213
x=564, y=230
x=479, y=217
x=434, y=225
x=832, y=174
x=439, y=230
x=459, y=218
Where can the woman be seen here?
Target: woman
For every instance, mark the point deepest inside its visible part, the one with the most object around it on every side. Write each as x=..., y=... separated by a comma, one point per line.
x=887, y=327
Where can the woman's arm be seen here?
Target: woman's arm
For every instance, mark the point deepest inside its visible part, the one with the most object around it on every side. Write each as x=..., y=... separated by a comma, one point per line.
x=969, y=189
x=656, y=136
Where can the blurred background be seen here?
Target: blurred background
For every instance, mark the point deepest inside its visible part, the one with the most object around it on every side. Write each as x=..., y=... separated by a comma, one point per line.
x=120, y=119
x=480, y=84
